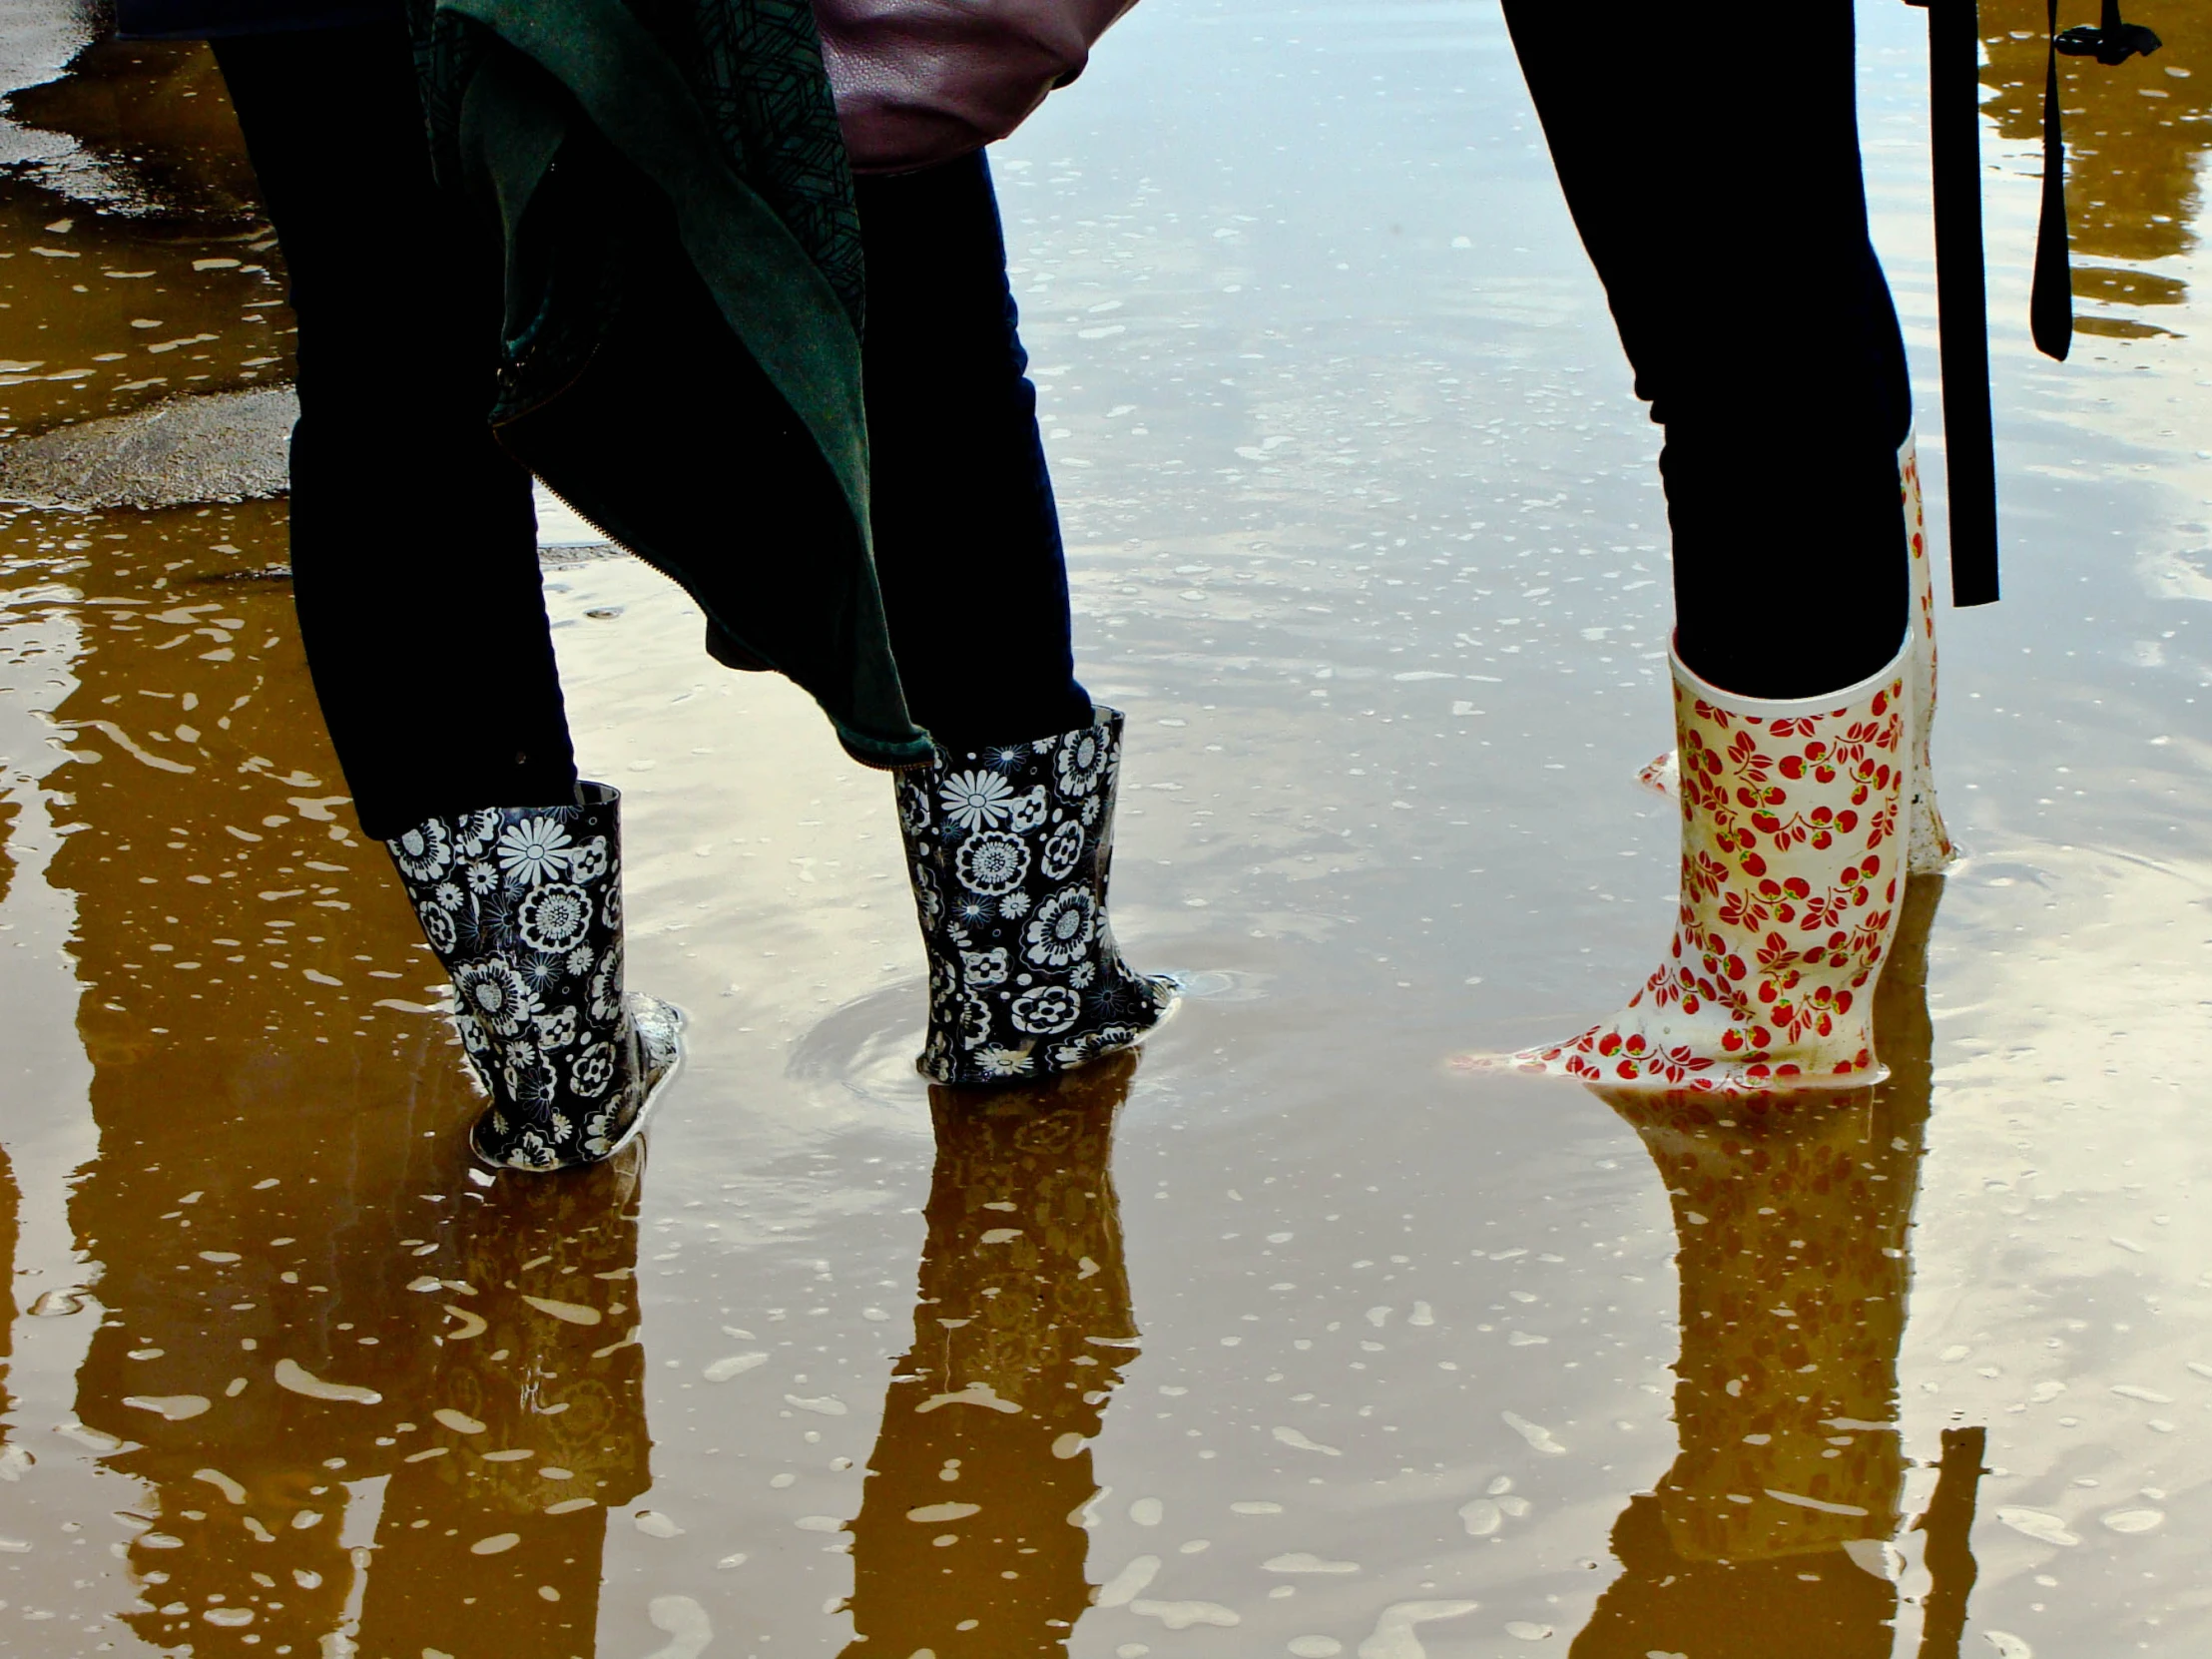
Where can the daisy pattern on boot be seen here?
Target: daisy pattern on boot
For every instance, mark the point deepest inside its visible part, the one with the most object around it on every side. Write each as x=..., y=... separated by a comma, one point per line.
x=523, y=908
x=1009, y=849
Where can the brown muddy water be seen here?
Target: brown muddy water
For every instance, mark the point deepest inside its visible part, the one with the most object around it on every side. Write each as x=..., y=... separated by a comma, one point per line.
x=1283, y=1338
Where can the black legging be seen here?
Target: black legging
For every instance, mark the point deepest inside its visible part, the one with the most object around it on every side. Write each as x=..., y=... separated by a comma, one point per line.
x=1710, y=162
x=431, y=654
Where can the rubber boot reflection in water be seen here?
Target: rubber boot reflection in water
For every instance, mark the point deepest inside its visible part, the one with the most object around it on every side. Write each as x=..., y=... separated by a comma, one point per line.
x=433, y=662
x=496, y=1516
x=1763, y=337
x=1776, y=1529
x=484, y=1507
x=970, y=1540
x=352, y=1462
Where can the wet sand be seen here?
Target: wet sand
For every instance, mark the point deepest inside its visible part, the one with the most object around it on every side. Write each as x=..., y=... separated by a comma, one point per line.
x=1283, y=1337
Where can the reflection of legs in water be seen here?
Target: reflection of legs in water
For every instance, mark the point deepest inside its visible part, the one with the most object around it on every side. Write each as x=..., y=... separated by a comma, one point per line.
x=1765, y=344
x=1772, y=1530
x=1757, y=320
x=967, y=1542
x=538, y=1428
x=413, y=545
x=300, y=1519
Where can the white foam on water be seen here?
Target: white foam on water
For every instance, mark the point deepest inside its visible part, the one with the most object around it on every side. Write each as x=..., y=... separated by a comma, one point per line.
x=1393, y=1636
x=2136, y=1520
x=1877, y=1556
x=1127, y=1584
x=1181, y=1615
x=291, y=1374
x=2038, y=1524
x=1539, y=1437
x=686, y=1623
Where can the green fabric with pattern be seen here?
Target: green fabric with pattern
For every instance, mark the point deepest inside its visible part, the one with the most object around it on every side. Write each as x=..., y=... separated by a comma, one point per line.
x=603, y=136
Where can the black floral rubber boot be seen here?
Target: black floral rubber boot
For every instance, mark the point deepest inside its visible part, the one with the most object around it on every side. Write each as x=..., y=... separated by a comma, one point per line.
x=523, y=907
x=1008, y=850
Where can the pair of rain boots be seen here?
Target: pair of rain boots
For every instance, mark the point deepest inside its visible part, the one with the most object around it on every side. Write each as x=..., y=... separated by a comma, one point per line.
x=1799, y=822
x=1008, y=850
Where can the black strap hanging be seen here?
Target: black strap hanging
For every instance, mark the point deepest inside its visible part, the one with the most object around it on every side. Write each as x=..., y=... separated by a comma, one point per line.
x=2110, y=41
x=1961, y=297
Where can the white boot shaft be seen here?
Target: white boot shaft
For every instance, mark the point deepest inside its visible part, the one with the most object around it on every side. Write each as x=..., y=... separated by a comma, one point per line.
x=1929, y=846
x=1793, y=872
x=1928, y=841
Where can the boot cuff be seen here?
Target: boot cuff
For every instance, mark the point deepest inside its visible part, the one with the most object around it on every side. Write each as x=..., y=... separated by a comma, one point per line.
x=1797, y=707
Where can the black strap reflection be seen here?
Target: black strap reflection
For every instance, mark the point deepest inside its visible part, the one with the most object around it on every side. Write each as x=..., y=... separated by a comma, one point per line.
x=970, y=1540
x=1774, y=1531
x=10, y=1204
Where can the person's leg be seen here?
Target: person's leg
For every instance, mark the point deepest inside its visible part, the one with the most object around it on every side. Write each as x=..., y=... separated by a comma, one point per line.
x=413, y=546
x=416, y=573
x=968, y=535
x=1757, y=317
x=1715, y=178
x=1009, y=835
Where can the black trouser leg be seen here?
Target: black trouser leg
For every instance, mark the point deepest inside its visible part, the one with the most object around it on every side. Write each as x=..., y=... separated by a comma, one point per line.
x=432, y=660
x=413, y=546
x=968, y=535
x=1713, y=172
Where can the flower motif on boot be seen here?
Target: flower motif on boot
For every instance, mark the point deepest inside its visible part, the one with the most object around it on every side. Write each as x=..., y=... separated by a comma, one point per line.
x=523, y=910
x=1009, y=849
x=1792, y=876
x=1929, y=845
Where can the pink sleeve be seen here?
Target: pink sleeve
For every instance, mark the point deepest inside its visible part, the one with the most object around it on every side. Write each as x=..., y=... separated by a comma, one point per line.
x=923, y=80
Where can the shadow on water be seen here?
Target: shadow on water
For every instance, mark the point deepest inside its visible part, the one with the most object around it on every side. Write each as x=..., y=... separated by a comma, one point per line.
x=970, y=1541
x=2136, y=137
x=1776, y=1529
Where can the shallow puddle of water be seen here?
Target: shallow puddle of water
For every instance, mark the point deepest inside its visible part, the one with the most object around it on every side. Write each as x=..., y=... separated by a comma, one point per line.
x=1283, y=1338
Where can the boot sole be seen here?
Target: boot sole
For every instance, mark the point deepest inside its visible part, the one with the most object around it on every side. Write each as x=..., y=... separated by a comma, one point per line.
x=1177, y=996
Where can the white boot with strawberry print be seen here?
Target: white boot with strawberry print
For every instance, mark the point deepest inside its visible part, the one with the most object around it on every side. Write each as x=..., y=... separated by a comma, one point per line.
x=1793, y=870
x=1928, y=850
